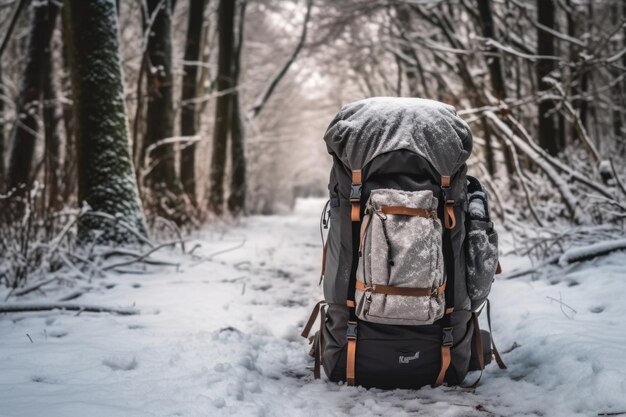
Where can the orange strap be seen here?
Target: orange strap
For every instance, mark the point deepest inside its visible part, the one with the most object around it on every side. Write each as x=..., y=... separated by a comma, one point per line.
x=355, y=213
x=407, y=211
x=351, y=356
x=498, y=268
x=445, y=364
x=409, y=292
x=449, y=220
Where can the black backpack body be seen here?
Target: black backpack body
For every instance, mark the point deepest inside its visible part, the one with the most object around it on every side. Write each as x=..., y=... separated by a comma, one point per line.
x=397, y=311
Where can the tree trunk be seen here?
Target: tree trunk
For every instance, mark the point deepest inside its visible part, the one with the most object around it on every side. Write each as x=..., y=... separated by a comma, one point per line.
x=545, y=46
x=160, y=112
x=26, y=126
x=52, y=152
x=2, y=140
x=497, y=80
x=237, y=198
x=106, y=175
x=189, y=111
x=223, y=107
x=70, y=176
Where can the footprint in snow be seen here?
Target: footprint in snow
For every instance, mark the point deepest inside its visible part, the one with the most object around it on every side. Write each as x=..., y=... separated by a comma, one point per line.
x=119, y=363
x=597, y=309
x=58, y=333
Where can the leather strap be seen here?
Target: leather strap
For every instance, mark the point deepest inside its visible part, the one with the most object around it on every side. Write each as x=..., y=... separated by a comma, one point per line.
x=449, y=220
x=355, y=195
x=445, y=364
x=351, y=355
x=355, y=213
x=496, y=354
x=408, y=211
x=498, y=268
x=309, y=324
x=405, y=291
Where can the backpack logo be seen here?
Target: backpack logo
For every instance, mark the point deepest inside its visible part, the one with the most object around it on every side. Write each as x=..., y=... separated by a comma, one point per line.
x=407, y=359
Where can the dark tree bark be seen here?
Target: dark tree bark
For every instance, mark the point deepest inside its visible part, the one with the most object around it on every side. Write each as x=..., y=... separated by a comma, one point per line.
x=26, y=127
x=495, y=74
x=2, y=139
x=545, y=46
x=69, y=170
x=223, y=107
x=52, y=152
x=189, y=110
x=106, y=175
x=493, y=62
x=237, y=197
x=160, y=111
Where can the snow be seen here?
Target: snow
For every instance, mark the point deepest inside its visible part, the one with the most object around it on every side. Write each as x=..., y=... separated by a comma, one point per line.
x=221, y=338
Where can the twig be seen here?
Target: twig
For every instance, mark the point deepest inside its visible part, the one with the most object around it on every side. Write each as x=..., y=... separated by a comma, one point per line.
x=220, y=252
x=562, y=304
x=35, y=287
x=31, y=307
x=16, y=15
x=140, y=257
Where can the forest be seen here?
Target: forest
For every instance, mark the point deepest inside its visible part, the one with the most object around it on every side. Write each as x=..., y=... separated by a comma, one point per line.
x=162, y=170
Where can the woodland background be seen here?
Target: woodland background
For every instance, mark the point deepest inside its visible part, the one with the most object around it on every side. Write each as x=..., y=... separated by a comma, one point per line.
x=134, y=122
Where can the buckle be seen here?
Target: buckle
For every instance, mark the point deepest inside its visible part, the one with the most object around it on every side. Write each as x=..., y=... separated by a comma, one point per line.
x=449, y=202
x=352, y=330
x=355, y=193
x=447, y=339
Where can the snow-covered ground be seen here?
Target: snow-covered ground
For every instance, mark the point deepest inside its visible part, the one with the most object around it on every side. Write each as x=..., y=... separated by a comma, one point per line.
x=221, y=337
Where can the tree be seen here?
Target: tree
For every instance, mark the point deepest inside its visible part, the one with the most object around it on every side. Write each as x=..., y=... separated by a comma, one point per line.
x=52, y=149
x=106, y=175
x=237, y=197
x=545, y=47
x=160, y=112
x=189, y=111
x=2, y=146
x=223, y=107
x=26, y=128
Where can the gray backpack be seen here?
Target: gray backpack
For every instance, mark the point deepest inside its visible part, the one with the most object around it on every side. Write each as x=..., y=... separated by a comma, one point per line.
x=411, y=252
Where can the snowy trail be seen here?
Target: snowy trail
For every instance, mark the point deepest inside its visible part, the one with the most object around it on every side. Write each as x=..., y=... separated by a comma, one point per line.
x=221, y=338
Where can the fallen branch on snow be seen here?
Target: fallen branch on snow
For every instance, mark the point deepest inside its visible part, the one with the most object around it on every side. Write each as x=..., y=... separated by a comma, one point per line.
x=31, y=307
x=585, y=253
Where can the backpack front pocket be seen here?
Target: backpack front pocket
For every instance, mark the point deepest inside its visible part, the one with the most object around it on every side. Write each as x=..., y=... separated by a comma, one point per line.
x=400, y=273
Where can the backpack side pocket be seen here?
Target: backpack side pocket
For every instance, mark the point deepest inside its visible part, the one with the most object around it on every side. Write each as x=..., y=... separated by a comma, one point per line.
x=481, y=245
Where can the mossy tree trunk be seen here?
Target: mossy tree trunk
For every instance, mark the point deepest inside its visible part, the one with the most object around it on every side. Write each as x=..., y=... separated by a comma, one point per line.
x=26, y=127
x=106, y=175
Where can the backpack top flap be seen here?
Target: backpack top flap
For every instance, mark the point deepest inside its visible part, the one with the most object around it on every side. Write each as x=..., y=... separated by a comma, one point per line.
x=367, y=128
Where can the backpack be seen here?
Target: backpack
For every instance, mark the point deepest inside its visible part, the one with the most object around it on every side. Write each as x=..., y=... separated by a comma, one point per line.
x=410, y=253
